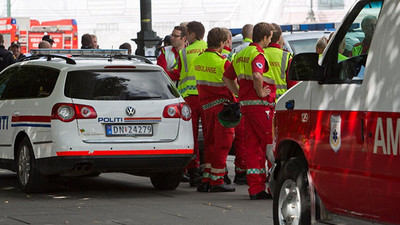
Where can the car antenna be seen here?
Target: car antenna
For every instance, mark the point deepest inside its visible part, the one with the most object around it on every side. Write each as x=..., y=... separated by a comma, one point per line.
x=110, y=59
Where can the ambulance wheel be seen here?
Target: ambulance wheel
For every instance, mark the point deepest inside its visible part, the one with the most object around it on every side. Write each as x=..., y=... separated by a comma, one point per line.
x=30, y=180
x=166, y=181
x=291, y=204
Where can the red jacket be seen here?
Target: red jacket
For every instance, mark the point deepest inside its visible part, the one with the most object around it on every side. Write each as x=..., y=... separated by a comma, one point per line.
x=161, y=61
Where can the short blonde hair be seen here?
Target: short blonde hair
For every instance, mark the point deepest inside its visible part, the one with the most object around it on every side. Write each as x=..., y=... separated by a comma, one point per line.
x=321, y=44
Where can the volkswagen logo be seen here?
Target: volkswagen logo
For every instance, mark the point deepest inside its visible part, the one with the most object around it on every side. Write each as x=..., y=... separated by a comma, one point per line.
x=130, y=111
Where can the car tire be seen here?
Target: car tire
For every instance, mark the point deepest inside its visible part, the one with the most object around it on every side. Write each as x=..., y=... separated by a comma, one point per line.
x=29, y=178
x=291, y=200
x=169, y=181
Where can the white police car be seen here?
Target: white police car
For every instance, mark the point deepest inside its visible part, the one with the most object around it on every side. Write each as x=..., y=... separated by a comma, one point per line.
x=88, y=115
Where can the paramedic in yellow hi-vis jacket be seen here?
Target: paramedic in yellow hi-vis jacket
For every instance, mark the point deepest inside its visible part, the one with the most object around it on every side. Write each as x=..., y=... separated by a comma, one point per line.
x=279, y=61
x=209, y=67
x=188, y=89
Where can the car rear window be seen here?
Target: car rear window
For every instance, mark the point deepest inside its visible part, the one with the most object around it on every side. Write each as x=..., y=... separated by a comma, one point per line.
x=119, y=85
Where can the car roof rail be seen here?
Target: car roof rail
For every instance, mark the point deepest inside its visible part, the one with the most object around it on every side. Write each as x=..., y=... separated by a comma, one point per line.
x=48, y=57
x=93, y=53
x=130, y=57
x=80, y=52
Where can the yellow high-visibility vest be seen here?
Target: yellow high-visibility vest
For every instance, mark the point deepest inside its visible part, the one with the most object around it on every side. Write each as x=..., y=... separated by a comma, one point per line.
x=187, y=81
x=209, y=68
x=278, y=64
x=228, y=54
x=243, y=67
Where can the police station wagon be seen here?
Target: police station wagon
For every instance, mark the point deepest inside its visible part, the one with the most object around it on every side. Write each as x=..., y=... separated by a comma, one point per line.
x=88, y=115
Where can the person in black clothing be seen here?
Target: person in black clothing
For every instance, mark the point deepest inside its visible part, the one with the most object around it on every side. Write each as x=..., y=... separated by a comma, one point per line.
x=87, y=41
x=6, y=57
x=16, y=50
x=49, y=39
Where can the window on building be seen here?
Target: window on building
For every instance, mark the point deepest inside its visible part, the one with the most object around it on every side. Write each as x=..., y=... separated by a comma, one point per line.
x=330, y=4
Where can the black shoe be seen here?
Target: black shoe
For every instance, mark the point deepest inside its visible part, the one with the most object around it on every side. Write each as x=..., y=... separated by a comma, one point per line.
x=222, y=188
x=194, y=182
x=261, y=195
x=227, y=180
x=194, y=172
x=200, y=170
x=185, y=177
x=203, y=187
x=195, y=177
x=240, y=179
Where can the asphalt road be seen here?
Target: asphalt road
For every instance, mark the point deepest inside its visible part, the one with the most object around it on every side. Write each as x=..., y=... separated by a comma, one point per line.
x=116, y=198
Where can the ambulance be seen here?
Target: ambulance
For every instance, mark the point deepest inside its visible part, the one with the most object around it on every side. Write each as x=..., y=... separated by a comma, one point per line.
x=337, y=132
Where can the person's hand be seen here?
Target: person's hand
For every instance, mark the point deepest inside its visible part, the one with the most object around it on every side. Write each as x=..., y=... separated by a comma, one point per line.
x=266, y=90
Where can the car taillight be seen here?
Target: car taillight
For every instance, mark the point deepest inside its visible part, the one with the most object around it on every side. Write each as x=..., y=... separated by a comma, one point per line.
x=179, y=110
x=67, y=112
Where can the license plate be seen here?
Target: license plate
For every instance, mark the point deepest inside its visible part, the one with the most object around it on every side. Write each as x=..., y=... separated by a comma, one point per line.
x=129, y=130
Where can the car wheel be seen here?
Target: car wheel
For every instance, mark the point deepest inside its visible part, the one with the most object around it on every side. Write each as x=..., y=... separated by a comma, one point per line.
x=169, y=181
x=29, y=178
x=291, y=203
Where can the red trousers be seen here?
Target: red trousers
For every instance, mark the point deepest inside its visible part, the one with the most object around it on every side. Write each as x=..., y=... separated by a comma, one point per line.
x=240, y=148
x=258, y=128
x=218, y=142
x=197, y=112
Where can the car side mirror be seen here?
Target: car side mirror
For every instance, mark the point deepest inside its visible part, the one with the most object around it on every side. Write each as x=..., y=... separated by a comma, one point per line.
x=304, y=67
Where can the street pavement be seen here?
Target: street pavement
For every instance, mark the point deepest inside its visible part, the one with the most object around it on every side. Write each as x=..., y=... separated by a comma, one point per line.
x=117, y=198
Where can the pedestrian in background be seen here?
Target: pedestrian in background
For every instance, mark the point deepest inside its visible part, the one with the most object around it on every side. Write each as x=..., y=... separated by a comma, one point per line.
x=166, y=41
x=127, y=46
x=247, y=32
x=257, y=99
x=368, y=25
x=279, y=61
x=16, y=50
x=94, y=41
x=209, y=68
x=238, y=142
x=87, y=42
x=321, y=45
x=168, y=56
x=184, y=24
x=44, y=45
x=188, y=89
x=6, y=57
x=227, y=45
x=49, y=39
